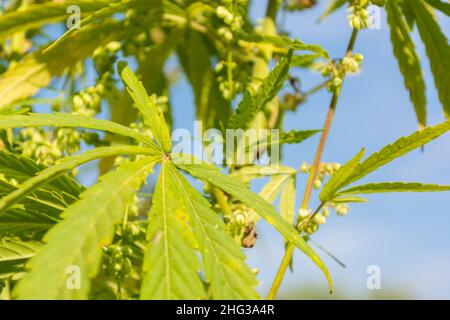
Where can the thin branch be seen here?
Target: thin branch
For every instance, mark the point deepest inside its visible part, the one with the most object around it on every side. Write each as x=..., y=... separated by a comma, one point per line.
x=312, y=176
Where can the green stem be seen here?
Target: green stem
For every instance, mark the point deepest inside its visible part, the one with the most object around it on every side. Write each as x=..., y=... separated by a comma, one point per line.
x=312, y=176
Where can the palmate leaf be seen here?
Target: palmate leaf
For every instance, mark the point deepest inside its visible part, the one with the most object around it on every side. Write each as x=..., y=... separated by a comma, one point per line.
x=341, y=178
x=14, y=252
x=70, y=120
x=152, y=118
x=77, y=241
x=408, y=60
x=37, y=15
x=224, y=263
x=171, y=265
x=264, y=209
x=68, y=164
x=35, y=71
x=384, y=187
x=437, y=48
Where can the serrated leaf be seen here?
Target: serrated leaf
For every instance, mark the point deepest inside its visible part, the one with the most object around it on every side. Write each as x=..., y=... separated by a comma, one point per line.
x=408, y=60
x=273, y=83
x=15, y=251
x=36, y=70
x=263, y=208
x=152, y=118
x=437, y=48
x=287, y=200
x=440, y=5
x=67, y=164
x=284, y=42
x=70, y=120
x=399, y=148
x=341, y=178
x=245, y=112
x=223, y=261
x=290, y=137
x=77, y=241
x=171, y=266
x=384, y=187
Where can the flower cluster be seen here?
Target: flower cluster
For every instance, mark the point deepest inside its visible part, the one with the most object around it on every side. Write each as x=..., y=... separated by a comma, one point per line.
x=324, y=170
x=349, y=64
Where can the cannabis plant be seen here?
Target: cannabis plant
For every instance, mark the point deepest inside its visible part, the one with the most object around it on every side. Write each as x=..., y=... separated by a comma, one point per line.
x=102, y=92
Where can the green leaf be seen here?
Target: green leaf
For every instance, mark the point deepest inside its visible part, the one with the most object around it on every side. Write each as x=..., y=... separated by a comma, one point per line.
x=77, y=241
x=110, y=9
x=67, y=164
x=349, y=199
x=70, y=120
x=284, y=42
x=245, y=112
x=37, y=15
x=263, y=208
x=26, y=77
x=287, y=200
x=437, y=48
x=171, y=266
x=336, y=4
x=273, y=83
x=341, y=178
x=271, y=189
x=384, y=187
x=408, y=60
x=152, y=118
x=399, y=148
x=224, y=263
x=290, y=137
x=439, y=5
x=14, y=252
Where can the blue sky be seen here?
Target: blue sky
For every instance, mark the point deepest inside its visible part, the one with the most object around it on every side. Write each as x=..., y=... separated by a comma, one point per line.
x=406, y=235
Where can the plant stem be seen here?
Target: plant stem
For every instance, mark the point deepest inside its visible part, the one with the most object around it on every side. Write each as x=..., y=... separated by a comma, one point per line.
x=312, y=176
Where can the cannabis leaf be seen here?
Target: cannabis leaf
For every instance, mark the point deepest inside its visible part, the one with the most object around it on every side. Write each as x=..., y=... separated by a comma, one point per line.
x=153, y=119
x=65, y=165
x=71, y=120
x=93, y=217
x=384, y=187
x=171, y=265
x=408, y=60
x=437, y=48
x=234, y=187
x=179, y=220
x=14, y=252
